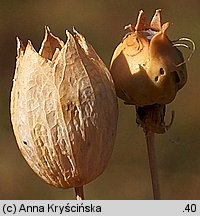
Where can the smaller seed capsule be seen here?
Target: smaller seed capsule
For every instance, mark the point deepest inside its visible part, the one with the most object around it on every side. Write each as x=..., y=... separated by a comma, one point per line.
x=147, y=68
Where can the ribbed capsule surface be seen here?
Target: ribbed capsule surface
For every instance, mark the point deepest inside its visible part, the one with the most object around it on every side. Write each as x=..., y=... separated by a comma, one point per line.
x=63, y=110
x=147, y=68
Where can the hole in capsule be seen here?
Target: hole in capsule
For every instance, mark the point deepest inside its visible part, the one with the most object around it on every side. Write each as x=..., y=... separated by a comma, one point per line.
x=162, y=71
x=156, y=78
x=25, y=143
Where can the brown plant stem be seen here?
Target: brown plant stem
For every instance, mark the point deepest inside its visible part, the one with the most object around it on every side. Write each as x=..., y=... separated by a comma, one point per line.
x=152, y=164
x=79, y=193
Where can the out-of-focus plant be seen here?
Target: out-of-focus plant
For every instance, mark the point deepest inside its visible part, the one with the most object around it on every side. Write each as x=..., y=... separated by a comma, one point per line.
x=148, y=69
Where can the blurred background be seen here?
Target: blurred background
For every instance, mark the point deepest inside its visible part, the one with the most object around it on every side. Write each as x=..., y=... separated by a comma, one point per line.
x=102, y=22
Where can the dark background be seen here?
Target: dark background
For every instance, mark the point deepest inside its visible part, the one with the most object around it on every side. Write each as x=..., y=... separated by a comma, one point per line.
x=101, y=22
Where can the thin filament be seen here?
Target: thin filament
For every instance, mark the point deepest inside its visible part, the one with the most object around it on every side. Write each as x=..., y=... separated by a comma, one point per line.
x=191, y=48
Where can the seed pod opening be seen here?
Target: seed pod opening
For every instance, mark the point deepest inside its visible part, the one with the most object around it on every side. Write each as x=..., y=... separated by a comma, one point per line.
x=63, y=110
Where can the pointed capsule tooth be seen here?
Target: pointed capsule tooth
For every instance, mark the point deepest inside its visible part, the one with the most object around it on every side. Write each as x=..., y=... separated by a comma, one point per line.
x=80, y=39
x=47, y=32
x=18, y=41
x=68, y=34
x=47, y=29
x=156, y=21
x=78, y=35
x=29, y=43
x=129, y=27
x=164, y=27
x=74, y=30
x=158, y=10
x=30, y=46
x=49, y=44
x=20, y=47
x=141, y=12
x=142, y=23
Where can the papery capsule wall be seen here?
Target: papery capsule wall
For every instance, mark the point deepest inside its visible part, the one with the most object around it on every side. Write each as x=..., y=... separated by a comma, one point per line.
x=64, y=110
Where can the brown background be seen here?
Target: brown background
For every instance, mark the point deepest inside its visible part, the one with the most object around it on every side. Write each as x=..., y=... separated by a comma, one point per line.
x=101, y=22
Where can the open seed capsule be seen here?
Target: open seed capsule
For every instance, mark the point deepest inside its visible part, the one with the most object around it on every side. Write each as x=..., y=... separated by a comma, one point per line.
x=147, y=68
x=63, y=110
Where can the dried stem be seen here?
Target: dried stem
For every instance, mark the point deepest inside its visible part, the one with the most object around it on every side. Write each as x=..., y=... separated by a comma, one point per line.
x=152, y=164
x=79, y=193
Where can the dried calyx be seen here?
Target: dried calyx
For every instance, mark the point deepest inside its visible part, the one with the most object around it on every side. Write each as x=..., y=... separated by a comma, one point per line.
x=148, y=69
x=63, y=110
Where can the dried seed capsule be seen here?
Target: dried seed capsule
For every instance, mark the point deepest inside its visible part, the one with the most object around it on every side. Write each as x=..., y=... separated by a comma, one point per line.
x=64, y=110
x=147, y=68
